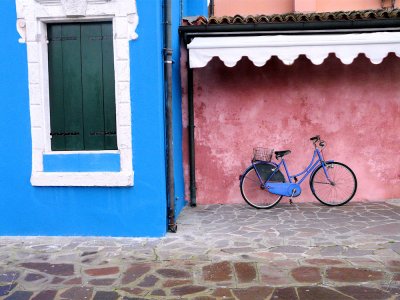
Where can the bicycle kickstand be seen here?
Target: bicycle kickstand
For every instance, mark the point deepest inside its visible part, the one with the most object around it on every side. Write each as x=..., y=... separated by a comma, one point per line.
x=290, y=199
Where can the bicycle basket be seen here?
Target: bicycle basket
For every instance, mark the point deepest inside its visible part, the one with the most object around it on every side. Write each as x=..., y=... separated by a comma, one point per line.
x=263, y=154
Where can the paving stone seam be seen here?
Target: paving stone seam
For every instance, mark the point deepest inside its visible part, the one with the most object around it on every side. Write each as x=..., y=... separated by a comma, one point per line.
x=380, y=247
x=208, y=291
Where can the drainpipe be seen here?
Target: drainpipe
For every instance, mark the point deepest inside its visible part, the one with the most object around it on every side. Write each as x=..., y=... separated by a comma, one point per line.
x=211, y=6
x=170, y=144
x=192, y=160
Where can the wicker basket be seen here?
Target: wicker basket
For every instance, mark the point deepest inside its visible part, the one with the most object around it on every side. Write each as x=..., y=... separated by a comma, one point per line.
x=263, y=154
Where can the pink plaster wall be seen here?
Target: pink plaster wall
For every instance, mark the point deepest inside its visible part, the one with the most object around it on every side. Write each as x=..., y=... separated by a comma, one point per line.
x=355, y=108
x=252, y=7
x=305, y=5
x=257, y=7
x=335, y=5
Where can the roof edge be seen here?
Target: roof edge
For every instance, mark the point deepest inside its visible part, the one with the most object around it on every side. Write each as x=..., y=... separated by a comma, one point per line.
x=368, y=20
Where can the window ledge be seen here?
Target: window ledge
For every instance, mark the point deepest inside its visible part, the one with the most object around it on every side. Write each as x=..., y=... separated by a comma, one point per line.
x=107, y=179
x=83, y=152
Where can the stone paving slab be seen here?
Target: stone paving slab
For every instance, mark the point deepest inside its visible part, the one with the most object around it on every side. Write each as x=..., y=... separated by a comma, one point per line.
x=305, y=251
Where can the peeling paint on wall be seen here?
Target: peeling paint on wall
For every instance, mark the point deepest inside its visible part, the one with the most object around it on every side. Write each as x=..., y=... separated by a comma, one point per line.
x=355, y=108
x=257, y=7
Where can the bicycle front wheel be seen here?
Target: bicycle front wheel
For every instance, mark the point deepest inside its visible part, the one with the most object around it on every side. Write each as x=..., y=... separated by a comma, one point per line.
x=253, y=190
x=339, y=189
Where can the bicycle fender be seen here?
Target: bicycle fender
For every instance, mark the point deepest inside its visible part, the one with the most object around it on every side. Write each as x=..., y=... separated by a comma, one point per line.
x=255, y=165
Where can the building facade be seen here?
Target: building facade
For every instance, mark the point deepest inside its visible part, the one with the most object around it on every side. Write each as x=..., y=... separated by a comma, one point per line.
x=256, y=79
x=83, y=116
x=84, y=106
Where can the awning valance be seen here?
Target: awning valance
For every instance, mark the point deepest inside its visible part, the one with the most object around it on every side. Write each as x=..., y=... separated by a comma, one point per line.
x=259, y=49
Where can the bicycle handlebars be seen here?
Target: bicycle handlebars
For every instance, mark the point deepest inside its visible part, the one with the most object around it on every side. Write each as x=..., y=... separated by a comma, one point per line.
x=315, y=138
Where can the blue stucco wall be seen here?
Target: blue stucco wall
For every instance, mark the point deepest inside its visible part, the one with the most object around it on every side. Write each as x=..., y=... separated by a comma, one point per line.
x=105, y=162
x=133, y=211
x=180, y=200
x=195, y=8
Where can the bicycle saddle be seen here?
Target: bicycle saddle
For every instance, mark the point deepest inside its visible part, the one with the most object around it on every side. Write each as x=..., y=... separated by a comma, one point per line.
x=282, y=153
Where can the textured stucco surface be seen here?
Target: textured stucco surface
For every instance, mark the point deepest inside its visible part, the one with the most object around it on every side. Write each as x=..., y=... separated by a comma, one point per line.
x=231, y=8
x=83, y=211
x=355, y=108
x=256, y=7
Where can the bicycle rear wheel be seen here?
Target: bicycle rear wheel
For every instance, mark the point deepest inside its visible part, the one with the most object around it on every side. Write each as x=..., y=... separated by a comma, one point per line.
x=340, y=190
x=254, y=192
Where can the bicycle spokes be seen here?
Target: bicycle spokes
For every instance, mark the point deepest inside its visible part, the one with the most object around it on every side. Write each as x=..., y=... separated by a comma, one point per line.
x=254, y=192
x=338, y=189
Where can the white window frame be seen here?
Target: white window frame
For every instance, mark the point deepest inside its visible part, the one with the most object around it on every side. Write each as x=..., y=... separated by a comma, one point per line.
x=32, y=19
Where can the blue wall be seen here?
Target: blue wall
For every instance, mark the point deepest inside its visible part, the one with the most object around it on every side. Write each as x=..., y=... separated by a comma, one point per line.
x=140, y=210
x=133, y=211
x=180, y=201
x=195, y=8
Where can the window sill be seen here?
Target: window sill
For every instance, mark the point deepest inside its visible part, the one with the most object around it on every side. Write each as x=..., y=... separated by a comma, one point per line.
x=106, y=179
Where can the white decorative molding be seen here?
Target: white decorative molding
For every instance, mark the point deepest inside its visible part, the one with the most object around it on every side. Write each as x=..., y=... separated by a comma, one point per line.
x=82, y=179
x=74, y=7
x=133, y=20
x=48, y=2
x=32, y=19
x=21, y=28
x=69, y=10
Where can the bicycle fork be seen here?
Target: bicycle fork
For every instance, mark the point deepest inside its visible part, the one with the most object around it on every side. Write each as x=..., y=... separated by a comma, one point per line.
x=326, y=166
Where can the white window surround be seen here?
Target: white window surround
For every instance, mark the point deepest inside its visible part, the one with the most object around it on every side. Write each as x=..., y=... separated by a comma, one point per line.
x=32, y=19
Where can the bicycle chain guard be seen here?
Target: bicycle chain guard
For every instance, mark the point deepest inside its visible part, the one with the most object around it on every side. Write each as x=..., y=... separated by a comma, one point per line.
x=284, y=188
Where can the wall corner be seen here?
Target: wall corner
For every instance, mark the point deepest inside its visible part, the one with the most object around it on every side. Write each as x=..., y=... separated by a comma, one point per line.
x=195, y=8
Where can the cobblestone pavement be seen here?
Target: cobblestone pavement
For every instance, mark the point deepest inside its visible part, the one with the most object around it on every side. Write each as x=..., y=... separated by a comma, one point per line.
x=305, y=251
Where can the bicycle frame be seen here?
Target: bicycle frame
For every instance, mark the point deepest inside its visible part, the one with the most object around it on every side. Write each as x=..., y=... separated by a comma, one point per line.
x=316, y=160
x=335, y=188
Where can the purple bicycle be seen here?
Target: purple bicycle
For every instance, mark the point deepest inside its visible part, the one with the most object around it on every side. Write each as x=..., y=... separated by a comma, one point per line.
x=263, y=185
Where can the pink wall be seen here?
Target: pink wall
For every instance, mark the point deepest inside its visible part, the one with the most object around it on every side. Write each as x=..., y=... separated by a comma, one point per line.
x=355, y=108
x=252, y=7
x=305, y=6
x=335, y=5
x=257, y=7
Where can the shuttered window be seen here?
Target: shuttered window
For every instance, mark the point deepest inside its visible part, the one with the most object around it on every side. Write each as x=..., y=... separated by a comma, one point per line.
x=82, y=86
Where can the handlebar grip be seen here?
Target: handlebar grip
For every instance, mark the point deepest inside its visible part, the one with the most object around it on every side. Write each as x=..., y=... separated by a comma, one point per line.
x=315, y=138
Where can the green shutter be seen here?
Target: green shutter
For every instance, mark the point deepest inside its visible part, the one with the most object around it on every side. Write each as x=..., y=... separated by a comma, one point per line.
x=110, y=138
x=56, y=88
x=72, y=77
x=92, y=82
x=81, y=79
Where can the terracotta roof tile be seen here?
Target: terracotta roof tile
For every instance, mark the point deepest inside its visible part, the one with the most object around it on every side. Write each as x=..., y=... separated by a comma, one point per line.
x=296, y=17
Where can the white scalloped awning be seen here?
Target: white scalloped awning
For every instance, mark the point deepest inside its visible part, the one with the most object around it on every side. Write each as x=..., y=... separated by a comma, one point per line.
x=259, y=49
